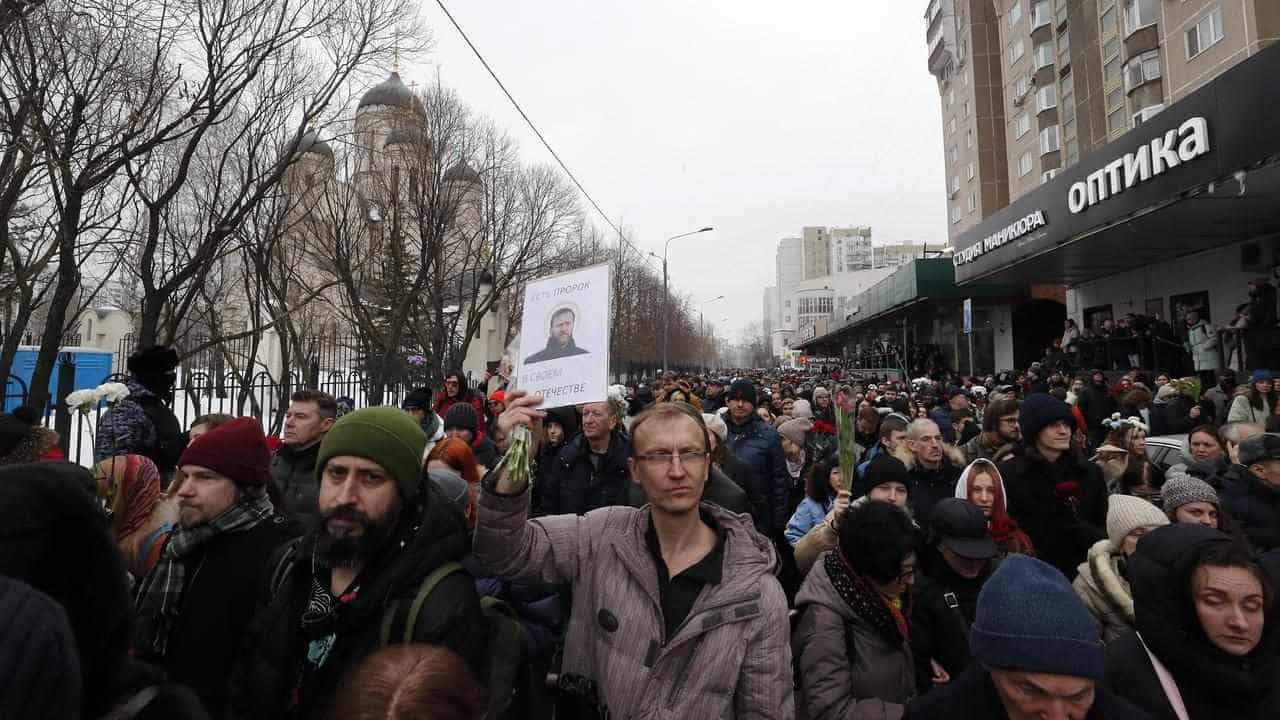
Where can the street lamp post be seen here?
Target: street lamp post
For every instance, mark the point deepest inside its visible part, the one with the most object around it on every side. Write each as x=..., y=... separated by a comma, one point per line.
x=666, y=293
x=701, y=332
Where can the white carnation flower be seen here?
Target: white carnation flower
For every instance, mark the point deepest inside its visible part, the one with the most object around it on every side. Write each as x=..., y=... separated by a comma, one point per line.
x=113, y=392
x=83, y=400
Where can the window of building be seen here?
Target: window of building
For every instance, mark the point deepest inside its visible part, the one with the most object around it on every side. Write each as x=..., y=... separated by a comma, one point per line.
x=1111, y=48
x=1046, y=97
x=1043, y=54
x=951, y=126
x=1205, y=34
x=1017, y=50
x=1108, y=21
x=951, y=97
x=1064, y=48
x=966, y=107
x=1020, y=86
x=969, y=172
x=1116, y=120
x=1061, y=11
x=1115, y=99
x=1146, y=113
x=1041, y=14
x=973, y=202
x=788, y=319
x=1025, y=164
x=954, y=154
x=955, y=184
x=1048, y=175
x=955, y=214
x=1111, y=72
x=788, y=303
x=1015, y=13
x=968, y=138
x=1050, y=140
x=1141, y=69
x=1021, y=124
x=1139, y=14
x=1067, y=103
x=1073, y=152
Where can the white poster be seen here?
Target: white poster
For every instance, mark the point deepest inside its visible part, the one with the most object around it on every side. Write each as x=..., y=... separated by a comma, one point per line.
x=564, y=337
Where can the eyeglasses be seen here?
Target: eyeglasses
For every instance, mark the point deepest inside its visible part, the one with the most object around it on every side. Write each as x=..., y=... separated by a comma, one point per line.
x=686, y=457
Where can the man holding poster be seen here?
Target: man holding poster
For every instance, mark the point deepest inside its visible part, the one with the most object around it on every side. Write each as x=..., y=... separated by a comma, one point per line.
x=573, y=366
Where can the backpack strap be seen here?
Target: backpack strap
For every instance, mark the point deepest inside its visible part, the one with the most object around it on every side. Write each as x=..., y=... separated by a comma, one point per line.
x=425, y=589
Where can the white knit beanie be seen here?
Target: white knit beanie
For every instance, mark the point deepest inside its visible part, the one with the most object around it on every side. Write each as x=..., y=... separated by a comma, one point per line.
x=1126, y=513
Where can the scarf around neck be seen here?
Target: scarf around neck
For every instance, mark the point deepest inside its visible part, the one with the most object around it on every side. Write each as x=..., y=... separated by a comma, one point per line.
x=159, y=595
x=867, y=602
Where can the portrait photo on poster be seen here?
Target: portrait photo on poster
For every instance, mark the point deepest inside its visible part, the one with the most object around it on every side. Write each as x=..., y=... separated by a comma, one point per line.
x=565, y=326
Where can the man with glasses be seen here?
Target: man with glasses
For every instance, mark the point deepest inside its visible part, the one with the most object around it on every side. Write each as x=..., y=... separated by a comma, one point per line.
x=1000, y=430
x=456, y=391
x=591, y=470
x=676, y=610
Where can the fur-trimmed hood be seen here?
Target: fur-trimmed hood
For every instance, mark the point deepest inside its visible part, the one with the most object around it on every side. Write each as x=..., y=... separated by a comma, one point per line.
x=1104, y=589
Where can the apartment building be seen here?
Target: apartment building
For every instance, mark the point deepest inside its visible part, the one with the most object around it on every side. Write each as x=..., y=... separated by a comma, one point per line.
x=1143, y=148
x=966, y=58
x=1078, y=74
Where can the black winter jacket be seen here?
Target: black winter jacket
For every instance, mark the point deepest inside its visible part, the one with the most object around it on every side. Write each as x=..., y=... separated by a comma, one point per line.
x=972, y=696
x=943, y=608
x=929, y=486
x=1062, y=534
x=1255, y=507
x=224, y=576
x=754, y=486
x=571, y=484
x=759, y=447
x=276, y=648
x=1212, y=683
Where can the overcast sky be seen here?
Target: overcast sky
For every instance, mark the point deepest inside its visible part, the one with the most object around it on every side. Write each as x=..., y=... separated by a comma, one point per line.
x=756, y=118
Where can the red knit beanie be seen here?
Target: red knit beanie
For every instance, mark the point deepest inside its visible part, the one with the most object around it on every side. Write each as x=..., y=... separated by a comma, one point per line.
x=236, y=449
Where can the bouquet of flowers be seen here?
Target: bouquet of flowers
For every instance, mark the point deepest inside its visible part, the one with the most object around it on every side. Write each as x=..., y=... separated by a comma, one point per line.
x=844, y=440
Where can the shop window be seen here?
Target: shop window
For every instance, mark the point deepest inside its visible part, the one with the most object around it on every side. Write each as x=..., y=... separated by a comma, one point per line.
x=1205, y=34
x=1139, y=14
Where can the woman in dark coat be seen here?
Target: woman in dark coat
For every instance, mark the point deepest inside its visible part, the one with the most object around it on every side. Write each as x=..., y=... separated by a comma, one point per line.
x=852, y=644
x=1206, y=620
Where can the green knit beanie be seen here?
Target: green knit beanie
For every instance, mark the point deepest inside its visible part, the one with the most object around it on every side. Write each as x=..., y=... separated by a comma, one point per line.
x=388, y=436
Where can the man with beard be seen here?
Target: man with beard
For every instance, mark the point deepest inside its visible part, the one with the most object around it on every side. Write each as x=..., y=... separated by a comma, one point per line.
x=195, y=605
x=559, y=339
x=382, y=533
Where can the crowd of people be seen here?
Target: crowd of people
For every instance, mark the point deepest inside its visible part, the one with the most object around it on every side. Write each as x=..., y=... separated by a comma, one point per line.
x=759, y=544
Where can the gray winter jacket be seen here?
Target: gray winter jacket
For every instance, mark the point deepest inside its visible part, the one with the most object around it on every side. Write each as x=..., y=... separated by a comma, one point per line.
x=728, y=659
x=876, y=683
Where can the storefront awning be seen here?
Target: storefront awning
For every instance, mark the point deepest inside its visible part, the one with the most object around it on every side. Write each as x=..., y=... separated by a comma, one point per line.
x=1203, y=173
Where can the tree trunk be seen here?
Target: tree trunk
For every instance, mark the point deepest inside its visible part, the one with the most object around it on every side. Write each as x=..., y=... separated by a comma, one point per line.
x=64, y=292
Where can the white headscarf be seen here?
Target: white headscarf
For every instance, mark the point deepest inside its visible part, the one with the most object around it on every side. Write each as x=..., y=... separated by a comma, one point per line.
x=962, y=485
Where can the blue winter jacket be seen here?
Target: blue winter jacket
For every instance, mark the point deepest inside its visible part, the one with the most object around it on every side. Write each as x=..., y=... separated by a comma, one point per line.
x=808, y=513
x=759, y=447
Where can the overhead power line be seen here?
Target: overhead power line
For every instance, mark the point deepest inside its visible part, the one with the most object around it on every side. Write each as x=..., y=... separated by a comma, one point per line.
x=537, y=132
